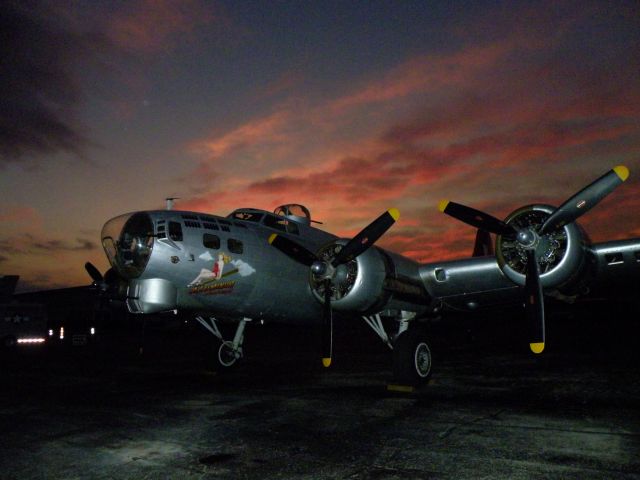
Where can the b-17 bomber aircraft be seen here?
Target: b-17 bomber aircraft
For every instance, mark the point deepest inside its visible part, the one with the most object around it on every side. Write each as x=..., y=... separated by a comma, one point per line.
x=254, y=265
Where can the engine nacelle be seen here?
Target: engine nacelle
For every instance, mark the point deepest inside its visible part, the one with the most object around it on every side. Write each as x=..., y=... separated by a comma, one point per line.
x=374, y=280
x=561, y=253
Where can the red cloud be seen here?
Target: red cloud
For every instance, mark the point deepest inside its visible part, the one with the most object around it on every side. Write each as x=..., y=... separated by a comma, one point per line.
x=495, y=124
x=19, y=214
x=256, y=132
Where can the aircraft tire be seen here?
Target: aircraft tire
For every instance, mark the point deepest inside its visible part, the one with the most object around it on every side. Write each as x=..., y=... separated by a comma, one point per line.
x=226, y=357
x=219, y=358
x=412, y=360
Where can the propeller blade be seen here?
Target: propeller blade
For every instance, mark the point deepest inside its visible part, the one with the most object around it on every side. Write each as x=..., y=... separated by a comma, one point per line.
x=475, y=218
x=93, y=272
x=111, y=277
x=585, y=199
x=293, y=249
x=483, y=245
x=327, y=326
x=367, y=237
x=534, y=303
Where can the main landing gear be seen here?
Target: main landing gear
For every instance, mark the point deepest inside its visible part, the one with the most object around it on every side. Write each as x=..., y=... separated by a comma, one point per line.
x=412, y=358
x=230, y=351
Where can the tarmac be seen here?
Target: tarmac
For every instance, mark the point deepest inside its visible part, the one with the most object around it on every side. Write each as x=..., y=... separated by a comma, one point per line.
x=105, y=412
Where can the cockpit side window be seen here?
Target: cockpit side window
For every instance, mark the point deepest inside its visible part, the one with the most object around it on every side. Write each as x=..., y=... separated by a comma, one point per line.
x=175, y=231
x=281, y=224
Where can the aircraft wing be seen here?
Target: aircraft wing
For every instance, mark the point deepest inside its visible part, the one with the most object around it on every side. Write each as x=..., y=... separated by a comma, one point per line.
x=469, y=284
x=606, y=269
x=617, y=267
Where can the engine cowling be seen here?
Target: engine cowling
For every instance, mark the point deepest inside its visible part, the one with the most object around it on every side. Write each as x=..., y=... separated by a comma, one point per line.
x=560, y=252
x=374, y=280
x=358, y=284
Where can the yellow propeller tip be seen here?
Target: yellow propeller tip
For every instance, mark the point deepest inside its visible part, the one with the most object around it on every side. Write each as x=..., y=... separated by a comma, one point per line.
x=326, y=362
x=442, y=205
x=622, y=172
x=395, y=213
x=400, y=388
x=272, y=237
x=537, y=347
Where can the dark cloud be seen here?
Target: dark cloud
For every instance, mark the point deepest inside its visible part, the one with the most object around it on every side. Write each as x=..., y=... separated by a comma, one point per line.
x=82, y=245
x=28, y=244
x=39, y=92
x=8, y=245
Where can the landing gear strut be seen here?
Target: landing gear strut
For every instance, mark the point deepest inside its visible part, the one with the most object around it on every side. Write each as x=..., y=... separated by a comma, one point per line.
x=230, y=351
x=411, y=353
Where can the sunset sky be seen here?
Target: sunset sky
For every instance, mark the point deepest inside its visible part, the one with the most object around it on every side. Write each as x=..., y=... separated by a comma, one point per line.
x=349, y=108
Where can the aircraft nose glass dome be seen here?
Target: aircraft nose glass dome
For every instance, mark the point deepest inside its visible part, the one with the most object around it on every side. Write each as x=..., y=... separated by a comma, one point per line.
x=128, y=242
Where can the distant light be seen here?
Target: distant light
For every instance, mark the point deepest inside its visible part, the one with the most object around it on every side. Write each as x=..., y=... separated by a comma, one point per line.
x=61, y=333
x=51, y=333
x=31, y=340
x=93, y=331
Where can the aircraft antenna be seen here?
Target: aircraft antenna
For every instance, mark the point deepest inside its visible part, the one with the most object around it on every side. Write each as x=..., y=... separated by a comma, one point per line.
x=170, y=202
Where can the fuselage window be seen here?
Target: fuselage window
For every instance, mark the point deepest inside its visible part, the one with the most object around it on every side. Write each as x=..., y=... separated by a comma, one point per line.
x=235, y=246
x=211, y=241
x=175, y=231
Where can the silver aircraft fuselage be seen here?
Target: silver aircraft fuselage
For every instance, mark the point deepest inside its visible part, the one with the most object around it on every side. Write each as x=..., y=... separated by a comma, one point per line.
x=177, y=260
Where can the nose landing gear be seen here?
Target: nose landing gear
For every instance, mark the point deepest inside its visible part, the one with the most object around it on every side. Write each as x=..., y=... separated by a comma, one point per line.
x=230, y=351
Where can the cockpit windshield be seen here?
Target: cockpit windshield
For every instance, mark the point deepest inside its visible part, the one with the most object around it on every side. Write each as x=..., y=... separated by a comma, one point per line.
x=128, y=242
x=247, y=215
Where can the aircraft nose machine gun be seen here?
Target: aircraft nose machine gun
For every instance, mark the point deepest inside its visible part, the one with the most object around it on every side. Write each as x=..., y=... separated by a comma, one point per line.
x=128, y=242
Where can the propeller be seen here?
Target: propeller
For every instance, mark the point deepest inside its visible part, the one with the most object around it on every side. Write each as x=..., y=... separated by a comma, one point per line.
x=94, y=273
x=110, y=285
x=475, y=218
x=530, y=239
x=585, y=199
x=534, y=308
x=325, y=270
x=367, y=237
x=327, y=326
